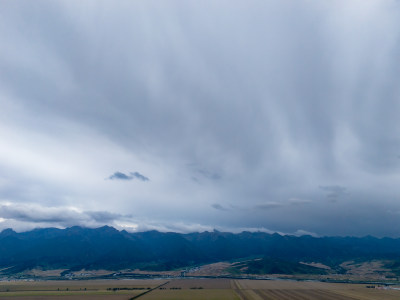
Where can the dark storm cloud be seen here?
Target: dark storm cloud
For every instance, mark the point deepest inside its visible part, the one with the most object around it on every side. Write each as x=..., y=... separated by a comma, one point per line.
x=253, y=101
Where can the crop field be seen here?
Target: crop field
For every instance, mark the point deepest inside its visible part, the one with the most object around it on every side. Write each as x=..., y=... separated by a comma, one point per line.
x=191, y=289
x=285, y=290
x=76, y=289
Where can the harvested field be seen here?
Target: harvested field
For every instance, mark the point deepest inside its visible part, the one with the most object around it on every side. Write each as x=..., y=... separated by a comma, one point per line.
x=76, y=285
x=71, y=289
x=199, y=283
x=187, y=294
x=192, y=289
x=291, y=284
x=82, y=297
x=286, y=290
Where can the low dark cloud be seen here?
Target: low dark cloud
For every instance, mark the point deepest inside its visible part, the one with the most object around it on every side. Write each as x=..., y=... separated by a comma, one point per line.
x=64, y=216
x=103, y=216
x=27, y=213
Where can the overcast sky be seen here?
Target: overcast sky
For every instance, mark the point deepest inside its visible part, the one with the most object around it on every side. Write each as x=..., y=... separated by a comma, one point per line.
x=280, y=116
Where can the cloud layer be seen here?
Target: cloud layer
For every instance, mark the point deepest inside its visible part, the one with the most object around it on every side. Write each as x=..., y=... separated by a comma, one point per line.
x=275, y=115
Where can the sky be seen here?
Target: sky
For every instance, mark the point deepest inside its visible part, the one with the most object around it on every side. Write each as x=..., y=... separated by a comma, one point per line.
x=274, y=116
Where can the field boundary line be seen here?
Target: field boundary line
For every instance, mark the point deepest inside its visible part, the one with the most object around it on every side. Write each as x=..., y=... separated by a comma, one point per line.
x=148, y=291
x=237, y=285
x=252, y=294
x=264, y=295
x=240, y=294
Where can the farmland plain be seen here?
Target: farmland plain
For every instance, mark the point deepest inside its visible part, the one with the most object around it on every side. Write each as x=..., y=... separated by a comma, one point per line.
x=193, y=289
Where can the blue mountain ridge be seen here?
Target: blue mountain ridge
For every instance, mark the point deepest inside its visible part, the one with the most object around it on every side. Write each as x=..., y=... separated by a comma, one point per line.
x=78, y=248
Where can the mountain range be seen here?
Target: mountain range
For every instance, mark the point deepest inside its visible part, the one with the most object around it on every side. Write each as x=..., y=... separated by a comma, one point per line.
x=77, y=248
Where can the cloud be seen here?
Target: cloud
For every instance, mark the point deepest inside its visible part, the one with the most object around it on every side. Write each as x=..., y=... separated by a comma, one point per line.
x=289, y=96
x=301, y=232
x=120, y=176
x=201, y=174
x=334, y=192
x=268, y=205
x=208, y=174
x=139, y=176
x=297, y=201
x=104, y=216
x=218, y=207
x=41, y=216
x=123, y=176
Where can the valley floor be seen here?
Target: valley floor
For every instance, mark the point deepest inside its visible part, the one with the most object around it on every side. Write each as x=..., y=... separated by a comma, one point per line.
x=193, y=289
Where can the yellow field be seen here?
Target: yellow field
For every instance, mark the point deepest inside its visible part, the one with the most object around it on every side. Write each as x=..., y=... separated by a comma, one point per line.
x=191, y=289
